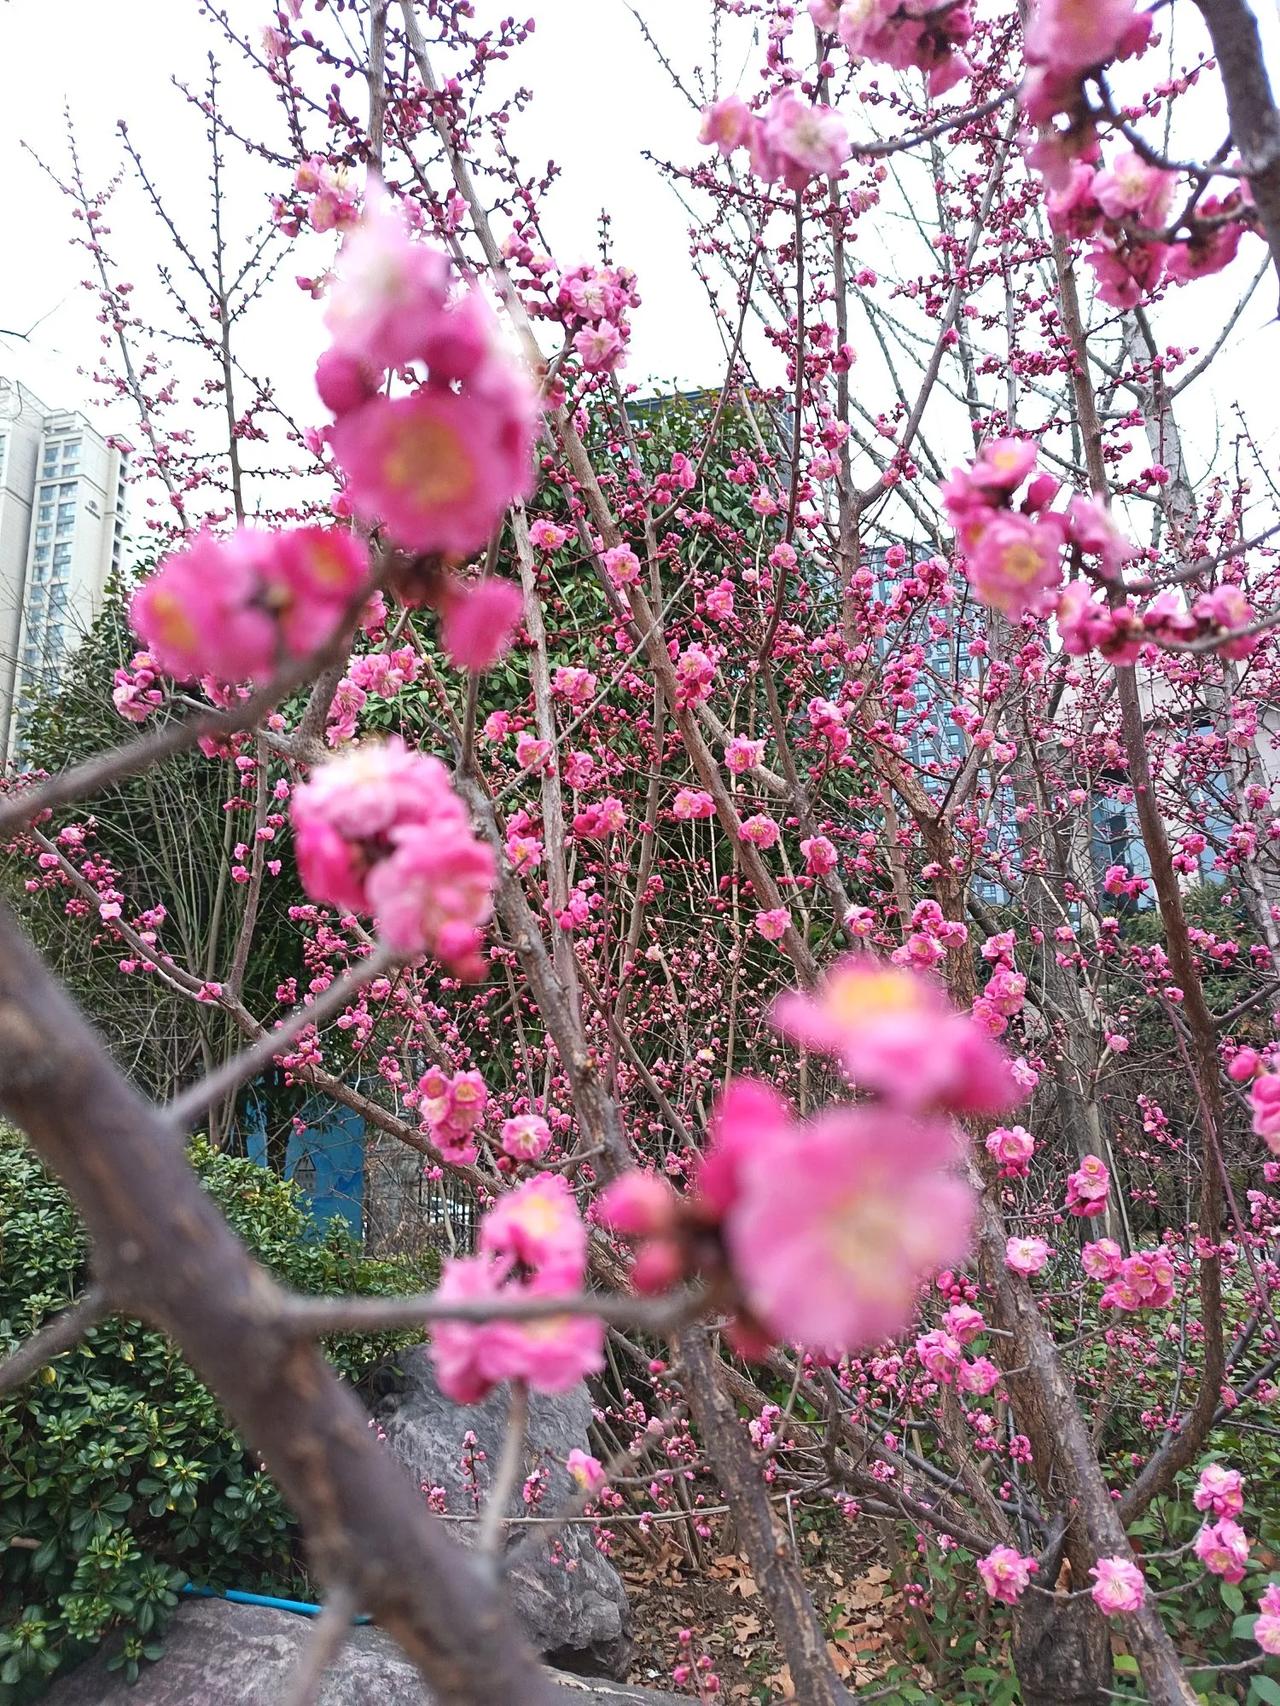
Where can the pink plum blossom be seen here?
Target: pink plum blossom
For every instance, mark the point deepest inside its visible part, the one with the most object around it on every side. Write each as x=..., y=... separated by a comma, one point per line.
x=622, y=565
x=437, y=468
x=551, y=1354
x=479, y=620
x=895, y=1032
x=1012, y=1146
x=532, y=753
x=799, y=142
x=547, y=536
x=451, y=1107
x=1133, y=189
x=1071, y=36
x=1118, y=1586
x=726, y=123
x=1087, y=1188
x=554, y=1353
x=692, y=803
x=759, y=830
x=741, y=754
x=388, y=290
x=637, y=1205
x=1102, y=1260
x=538, y=1226
x=979, y=1376
x=585, y=1470
x=1026, y=1256
x=1006, y=1573
x=526, y=1137
x=773, y=924
x=234, y=608
x=1223, y=1548
x=1266, y=1631
x=964, y=1322
x=382, y=831
x=574, y=684
x=1219, y=1490
x=600, y=347
x=819, y=855
x=695, y=671
x=600, y=820
x=1145, y=1281
x=1015, y=561
x=940, y=1353
x=836, y=1223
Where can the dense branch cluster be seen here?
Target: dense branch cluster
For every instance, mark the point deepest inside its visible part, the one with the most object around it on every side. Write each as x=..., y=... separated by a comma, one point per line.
x=802, y=858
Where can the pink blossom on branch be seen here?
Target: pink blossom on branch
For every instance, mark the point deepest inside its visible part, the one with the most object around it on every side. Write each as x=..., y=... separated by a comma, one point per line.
x=537, y=1225
x=836, y=1224
x=1223, y=1548
x=526, y=1137
x=1102, y=1260
x=382, y=831
x=478, y=621
x=1027, y=1256
x=551, y=1354
x=1219, y=1490
x=1072, y=36
x=1087, y=1188
x=1006, y=1574
x=1013, y=1147
x=1266, y=1631
x=451, y=1107
x=1118, y=1586
x=437, y=468
x=236, y=608
x=895, y=1032
x=1144, y=1281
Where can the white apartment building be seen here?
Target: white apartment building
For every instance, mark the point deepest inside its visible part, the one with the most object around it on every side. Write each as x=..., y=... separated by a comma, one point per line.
x=61, y=532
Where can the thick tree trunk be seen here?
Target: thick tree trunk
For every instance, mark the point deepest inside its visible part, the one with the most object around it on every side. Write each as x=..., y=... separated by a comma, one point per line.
x=1061, y=1652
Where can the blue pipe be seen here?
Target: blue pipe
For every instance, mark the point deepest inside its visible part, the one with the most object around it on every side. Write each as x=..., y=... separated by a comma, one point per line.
x=238, y=1596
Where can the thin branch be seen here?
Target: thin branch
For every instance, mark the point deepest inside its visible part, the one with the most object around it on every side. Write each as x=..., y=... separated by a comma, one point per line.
x=504, y=1481
x=184, y=1108
x=328, y=1637
x=312, y=1316
x=53, y=1338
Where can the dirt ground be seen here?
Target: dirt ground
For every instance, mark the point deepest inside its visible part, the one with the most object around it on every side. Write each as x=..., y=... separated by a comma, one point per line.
x=718, y=1600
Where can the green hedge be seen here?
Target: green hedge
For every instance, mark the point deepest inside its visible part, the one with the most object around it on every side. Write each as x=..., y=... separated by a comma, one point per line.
x=119, y=1476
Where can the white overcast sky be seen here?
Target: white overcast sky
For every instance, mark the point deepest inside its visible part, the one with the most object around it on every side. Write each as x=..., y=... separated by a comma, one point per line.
x=115, y=61
x=600, y=101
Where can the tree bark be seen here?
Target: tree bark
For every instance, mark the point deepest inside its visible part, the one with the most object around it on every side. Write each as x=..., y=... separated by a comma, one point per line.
x=164, y=1253
x=769, y=1551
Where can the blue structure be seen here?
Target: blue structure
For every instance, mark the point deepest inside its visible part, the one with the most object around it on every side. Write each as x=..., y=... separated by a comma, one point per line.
x=325, y=1160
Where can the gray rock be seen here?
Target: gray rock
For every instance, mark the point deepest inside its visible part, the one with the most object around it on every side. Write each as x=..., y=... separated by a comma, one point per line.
x=570, y=1600
x=246, y=1655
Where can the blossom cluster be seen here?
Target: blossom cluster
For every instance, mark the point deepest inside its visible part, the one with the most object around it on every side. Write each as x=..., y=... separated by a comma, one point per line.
x=1013, y=556
x=235, y=608
x=436, y=466
x=1065, y=44
x=821, y=1231
x=792, y=142
x=532, y=1245
x=593, y=302
x=1143, y=1280
x=451, y=1106
x=325, y=198
x=904, y=34
x=381, y=831
x=1089, y=621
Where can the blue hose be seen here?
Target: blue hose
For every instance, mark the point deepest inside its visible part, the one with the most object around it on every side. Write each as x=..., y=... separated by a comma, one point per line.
x=238, y=1596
